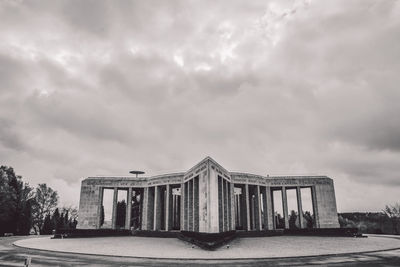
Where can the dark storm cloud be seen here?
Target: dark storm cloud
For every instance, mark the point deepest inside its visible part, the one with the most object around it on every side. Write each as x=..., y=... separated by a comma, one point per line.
x=286, y=87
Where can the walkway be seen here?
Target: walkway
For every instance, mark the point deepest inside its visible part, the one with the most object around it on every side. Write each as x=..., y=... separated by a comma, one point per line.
x=14, y=256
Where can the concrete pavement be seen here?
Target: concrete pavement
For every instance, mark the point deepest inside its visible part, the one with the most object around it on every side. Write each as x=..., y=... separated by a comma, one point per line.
x=14, y=256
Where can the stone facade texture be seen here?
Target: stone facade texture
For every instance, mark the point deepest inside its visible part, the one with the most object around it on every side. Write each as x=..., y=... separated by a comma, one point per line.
x=207, y=201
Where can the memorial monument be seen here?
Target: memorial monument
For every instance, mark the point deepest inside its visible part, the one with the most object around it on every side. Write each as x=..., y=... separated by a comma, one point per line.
x=206, y=199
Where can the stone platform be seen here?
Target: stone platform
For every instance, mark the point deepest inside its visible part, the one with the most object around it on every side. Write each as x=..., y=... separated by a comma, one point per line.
x=241, y=248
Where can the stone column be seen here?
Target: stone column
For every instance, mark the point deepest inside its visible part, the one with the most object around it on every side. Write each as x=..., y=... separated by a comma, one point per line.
x=263, y=201
x=150, y=208
x=182, y=207
x=145, y=208
x=253, y=212
x=223, y=203
x=233, y=212
x=156, y=196
x=114, y=210
x=268, y=210
x=167, y=225
x=190, y=205
x=247, y=208
x=300, y=207
x=238, y=211
x=315, y=207
x=202, y=200
x=173, y=210
x=213, y=199
x=177, y=209
x=285, y=207
x=273, y=210
x=259, y=208
x=128, y=209
x=228, y=207
x=100, y=205
x=193, y=204
x=196, y=204
x=187, y=197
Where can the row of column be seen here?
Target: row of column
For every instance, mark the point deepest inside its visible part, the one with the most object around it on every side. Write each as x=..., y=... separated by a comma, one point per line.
x=224, y=205
x=286, y=211
x=251, y=216
x=190, y=207
x=162, y=208
x=302, y=223
x=128, y=212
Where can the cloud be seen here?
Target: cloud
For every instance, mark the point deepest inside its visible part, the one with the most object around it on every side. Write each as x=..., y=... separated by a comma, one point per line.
x=9, y=136
x=284, y=87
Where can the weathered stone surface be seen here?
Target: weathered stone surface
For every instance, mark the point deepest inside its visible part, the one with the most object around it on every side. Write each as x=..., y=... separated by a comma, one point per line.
x=207, y=199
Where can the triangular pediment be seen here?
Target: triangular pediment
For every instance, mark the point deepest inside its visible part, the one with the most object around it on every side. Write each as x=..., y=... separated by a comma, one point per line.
x=206, y=164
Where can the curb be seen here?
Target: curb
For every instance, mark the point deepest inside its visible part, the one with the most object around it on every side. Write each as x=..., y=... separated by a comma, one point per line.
x=211, y=259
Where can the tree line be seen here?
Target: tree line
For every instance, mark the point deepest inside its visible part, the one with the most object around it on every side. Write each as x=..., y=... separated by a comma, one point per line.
x=385, y=222
x=24, y=209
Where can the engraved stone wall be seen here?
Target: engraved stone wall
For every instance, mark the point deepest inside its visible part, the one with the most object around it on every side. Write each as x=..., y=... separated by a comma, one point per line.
x=208, y=203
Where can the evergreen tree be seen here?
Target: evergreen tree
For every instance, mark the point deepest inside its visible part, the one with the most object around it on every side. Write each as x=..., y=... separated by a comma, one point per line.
x=73, y=224
x=309, y=219
x=70, y=214
x=7, y=200
x=102, y=215
x=279, y=220
x=66, y=220
x=60, y=223
x=56, y=219
x=15, y=203
x=121, y=210
x=48, y=226
x=25, y=223
x=292, y=220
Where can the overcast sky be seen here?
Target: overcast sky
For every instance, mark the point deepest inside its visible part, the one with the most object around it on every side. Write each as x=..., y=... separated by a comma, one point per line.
x=305, y=87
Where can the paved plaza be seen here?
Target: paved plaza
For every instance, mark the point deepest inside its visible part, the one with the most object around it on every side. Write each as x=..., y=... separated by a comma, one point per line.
x=240, y=248
x=11, y=255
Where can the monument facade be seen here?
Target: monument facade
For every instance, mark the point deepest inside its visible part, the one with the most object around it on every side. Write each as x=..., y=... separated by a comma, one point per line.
x=208, y=199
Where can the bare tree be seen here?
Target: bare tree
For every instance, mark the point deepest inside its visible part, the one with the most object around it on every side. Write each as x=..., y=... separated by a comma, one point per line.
x=46, y=200
x=393, y=212
x=72, y=211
